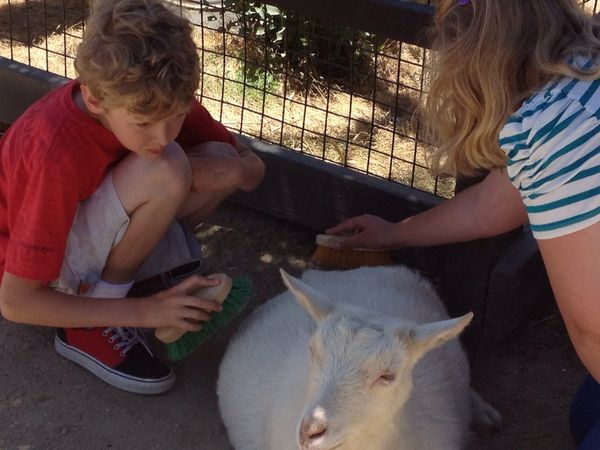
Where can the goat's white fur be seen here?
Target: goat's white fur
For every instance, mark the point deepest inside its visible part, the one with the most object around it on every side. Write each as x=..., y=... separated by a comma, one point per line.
x=317, y=373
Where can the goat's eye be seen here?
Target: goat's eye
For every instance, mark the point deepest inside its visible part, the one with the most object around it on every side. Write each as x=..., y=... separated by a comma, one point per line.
x=385, y=378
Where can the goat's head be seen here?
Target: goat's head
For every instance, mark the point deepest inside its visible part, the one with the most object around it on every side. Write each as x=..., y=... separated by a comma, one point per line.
x=360, y=368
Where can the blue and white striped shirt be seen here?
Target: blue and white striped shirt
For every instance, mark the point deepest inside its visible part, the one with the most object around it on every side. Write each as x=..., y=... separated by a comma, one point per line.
x=553, y=147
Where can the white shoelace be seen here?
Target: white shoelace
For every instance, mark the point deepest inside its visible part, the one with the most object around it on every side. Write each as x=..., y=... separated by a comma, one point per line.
x=124, y=339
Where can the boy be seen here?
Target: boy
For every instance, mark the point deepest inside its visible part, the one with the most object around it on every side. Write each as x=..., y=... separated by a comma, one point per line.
x=99, y=182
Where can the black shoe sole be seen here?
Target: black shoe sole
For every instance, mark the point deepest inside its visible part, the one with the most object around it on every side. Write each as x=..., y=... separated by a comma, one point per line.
x=114, y=378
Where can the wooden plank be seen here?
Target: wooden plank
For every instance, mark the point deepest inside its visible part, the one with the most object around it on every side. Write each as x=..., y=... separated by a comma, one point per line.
x=318, y=194
x=20, y=86
x=518, y=282
x=402, y=20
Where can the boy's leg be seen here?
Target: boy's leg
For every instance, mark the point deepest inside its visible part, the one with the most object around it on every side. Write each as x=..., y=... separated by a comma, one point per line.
x=151, y=192
x=198, y=206
x=133, y=208
x=585, y=415
x=219, y=171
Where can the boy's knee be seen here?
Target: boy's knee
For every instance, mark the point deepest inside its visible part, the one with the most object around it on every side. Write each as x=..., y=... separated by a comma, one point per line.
x=171, y=173
x=167, y=177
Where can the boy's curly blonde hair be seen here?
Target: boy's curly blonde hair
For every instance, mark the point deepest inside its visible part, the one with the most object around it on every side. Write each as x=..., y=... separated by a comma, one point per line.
x=488, y=56
x=138, y=55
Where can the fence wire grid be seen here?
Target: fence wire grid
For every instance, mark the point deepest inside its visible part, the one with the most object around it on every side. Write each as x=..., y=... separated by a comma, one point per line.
x=331, y=92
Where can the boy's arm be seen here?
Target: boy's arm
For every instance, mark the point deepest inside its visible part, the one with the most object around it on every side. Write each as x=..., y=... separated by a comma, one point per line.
x=32, y=302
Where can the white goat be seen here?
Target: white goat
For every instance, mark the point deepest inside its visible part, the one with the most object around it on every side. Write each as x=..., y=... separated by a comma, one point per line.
x=356, y=363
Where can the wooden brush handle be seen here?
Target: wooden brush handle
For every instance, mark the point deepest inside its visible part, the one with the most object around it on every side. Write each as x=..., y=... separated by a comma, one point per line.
x=333, y=240
x=328, y=240
x=218, y=293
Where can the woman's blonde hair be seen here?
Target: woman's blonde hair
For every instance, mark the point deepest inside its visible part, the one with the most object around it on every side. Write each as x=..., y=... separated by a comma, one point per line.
x=139, y=55
x=487, y=57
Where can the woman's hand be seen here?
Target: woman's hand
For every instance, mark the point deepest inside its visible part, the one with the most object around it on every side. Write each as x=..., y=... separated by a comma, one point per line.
x=366, y=231
x=179, y=307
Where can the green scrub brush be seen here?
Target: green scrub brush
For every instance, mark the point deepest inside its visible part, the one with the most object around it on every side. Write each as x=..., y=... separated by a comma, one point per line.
x=232, y=294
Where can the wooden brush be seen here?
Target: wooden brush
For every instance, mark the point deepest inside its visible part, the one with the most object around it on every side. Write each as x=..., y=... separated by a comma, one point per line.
x=232, y=294
x=328, y=256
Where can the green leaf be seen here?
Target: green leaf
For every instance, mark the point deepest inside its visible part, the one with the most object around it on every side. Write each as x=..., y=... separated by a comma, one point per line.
x=260, y=11
x=273, y=10
x=279, y=35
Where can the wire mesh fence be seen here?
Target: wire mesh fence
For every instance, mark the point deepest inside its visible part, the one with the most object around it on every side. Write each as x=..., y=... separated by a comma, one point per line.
x=336, y=93
x=590, y=5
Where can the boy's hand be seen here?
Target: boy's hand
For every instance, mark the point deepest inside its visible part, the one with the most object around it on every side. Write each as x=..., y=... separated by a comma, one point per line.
x=218, y=166
x=365, y=231
x=254, y=167
x=177, y=307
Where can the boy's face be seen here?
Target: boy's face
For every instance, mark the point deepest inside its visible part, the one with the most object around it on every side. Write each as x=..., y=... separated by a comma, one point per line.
x=144, y=136
x=139, y=134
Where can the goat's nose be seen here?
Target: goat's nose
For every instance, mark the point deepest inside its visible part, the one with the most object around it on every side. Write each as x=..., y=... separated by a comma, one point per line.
x=311, y=430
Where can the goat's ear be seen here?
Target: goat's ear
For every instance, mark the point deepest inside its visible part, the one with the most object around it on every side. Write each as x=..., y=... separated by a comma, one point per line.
x=431, y=335
x=316, y=304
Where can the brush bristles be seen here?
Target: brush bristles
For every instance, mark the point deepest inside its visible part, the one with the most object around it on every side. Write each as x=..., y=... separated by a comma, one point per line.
x=327, y=257
x=232, y=306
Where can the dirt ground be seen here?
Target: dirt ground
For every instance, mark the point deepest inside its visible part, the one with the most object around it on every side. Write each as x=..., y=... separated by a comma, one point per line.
x=47, y=402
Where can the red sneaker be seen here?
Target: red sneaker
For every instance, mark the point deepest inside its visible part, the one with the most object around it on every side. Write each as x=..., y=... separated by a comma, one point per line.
x=118, y=356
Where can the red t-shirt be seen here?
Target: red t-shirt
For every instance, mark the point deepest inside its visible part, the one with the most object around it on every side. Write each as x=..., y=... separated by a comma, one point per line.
x=51, y=158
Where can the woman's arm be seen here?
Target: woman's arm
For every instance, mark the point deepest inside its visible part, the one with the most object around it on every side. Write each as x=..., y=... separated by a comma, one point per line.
x=486, y=209
x=573, y=266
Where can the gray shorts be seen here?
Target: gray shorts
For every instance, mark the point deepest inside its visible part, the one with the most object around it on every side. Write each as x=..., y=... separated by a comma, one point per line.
x=99, y=225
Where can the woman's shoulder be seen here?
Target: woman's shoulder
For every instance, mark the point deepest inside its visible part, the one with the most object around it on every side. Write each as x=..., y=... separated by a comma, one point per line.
x=552, y=143
x=563, y=107
x=558, y=94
